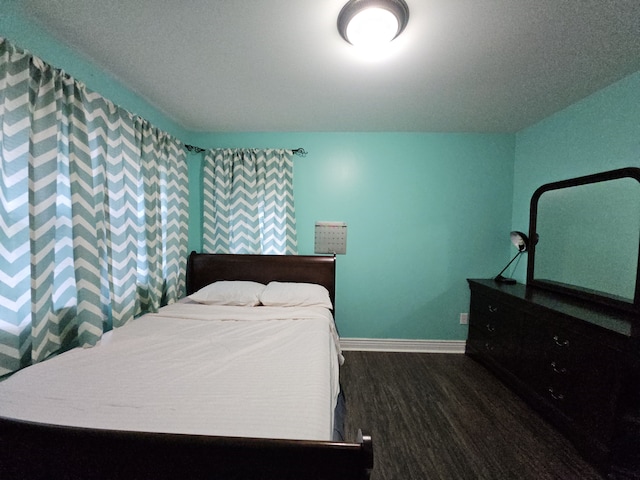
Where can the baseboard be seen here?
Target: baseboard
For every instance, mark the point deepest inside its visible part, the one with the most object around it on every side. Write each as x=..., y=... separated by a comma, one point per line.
x=402, y=345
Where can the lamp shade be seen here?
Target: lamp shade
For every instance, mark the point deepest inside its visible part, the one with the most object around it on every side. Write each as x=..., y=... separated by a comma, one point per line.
x=521, y=242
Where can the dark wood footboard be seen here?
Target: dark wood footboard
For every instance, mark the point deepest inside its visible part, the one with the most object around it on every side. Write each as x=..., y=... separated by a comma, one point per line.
x=41, y=451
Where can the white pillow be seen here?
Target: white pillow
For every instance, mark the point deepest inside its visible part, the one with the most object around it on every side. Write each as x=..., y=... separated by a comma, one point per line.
x=291, y=294
x=228, y=292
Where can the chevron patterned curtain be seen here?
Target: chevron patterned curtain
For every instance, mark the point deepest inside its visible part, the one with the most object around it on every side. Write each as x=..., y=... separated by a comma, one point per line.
x=248, y=202
x=93, y=213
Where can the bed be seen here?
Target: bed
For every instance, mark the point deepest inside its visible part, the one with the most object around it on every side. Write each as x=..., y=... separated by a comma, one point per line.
x=210, y=389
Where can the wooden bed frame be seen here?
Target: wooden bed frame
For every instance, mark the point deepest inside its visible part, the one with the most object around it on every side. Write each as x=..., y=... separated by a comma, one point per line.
x=43, y=451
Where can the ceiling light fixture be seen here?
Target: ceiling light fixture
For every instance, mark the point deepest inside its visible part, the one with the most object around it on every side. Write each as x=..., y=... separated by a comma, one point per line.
x=372, y=22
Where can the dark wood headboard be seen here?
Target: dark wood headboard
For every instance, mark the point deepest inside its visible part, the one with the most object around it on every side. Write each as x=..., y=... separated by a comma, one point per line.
x=206, y=268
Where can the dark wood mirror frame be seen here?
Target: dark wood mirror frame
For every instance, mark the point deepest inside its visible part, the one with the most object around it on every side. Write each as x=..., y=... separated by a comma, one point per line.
x=594, y=296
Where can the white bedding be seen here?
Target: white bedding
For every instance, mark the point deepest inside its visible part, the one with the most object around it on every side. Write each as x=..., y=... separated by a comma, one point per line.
x=269, y=372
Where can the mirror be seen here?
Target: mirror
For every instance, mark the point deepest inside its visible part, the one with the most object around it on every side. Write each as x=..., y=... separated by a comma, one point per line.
x=588, y=238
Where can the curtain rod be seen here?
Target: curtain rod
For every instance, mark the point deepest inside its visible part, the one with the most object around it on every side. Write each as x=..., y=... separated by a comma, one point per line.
x=301, y=152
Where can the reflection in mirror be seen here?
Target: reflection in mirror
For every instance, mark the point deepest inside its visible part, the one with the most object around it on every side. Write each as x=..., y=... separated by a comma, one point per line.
x=588, y=236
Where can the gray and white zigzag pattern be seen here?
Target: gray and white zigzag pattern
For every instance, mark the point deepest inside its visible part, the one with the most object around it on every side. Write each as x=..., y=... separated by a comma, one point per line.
x=93, y=213
x=248, y=202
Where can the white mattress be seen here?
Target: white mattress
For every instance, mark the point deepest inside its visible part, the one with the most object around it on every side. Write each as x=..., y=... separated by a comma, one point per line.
x=271, y=372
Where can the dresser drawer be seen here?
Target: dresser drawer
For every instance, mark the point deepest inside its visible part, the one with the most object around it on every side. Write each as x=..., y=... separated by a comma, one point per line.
x=491, y=311
x=493, y=331
x=579, y=377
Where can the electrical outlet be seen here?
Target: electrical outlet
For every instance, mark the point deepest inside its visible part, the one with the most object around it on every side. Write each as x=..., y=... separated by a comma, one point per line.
x=464, y=318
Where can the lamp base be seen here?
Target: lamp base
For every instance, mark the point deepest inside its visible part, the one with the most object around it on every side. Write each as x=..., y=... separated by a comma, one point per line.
x=501, y=279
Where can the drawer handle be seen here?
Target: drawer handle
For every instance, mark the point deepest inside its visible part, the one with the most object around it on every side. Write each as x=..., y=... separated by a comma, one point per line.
x=554, y=395
x=555, y=368
x=563, y=343
x=491, y=328
x=493, y=309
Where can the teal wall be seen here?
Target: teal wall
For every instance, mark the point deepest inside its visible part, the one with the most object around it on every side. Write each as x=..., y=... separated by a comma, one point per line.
x=424, y=212
x=599, y=133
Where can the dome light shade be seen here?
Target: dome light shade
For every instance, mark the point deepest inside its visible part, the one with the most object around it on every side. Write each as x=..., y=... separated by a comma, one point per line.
x=372, y=22
x=372, y=26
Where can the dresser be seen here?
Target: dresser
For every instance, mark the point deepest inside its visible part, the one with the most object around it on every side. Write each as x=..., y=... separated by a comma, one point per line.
x=576, y=363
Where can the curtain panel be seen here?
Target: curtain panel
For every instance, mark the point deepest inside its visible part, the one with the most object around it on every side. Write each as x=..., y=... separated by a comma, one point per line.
x=248, y=202
x=93, y=213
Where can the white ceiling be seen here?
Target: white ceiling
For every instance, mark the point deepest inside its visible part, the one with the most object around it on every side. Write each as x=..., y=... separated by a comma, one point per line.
x=280, y=65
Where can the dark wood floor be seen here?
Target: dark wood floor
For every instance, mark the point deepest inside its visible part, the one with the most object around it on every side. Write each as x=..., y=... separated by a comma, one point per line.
x=443, y=416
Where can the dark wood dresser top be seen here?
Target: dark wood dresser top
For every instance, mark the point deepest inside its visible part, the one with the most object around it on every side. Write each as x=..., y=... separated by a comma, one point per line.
x=600, y=316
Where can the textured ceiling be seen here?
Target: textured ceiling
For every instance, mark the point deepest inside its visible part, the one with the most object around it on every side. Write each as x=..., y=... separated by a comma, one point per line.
x=280, y=65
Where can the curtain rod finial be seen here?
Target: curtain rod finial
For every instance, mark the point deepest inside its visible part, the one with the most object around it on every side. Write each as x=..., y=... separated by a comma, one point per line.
x=301, y=152
x=193, y=149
